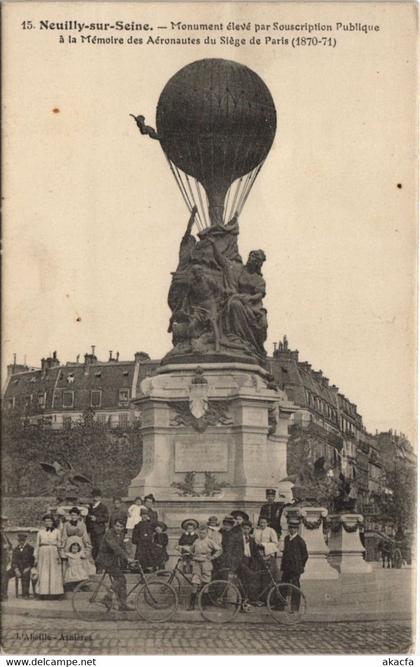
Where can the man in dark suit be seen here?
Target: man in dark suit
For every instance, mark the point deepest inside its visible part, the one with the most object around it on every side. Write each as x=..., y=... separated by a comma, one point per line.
x=96, y=523
x=272, y=511
x=112, y=557
x=119, y=511
x=22, y=562
x=232, y=548
x=149, y=501
x=295, y=555
x=249, y=571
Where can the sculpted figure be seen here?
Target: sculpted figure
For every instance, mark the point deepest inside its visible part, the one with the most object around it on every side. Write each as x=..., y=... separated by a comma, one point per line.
x=244, y=314
x=216, y=300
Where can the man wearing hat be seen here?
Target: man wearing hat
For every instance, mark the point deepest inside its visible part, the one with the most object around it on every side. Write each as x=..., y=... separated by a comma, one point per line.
x=240, y=518
x=272, y=511
x=6, y=550
x=149, y=501
x=250, y=565
x=294, y=559
x=22, y=562
x=96, y=522
x=112, y=557
x=232, y=547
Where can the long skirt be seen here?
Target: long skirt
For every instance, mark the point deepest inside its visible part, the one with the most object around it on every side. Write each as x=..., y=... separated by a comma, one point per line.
x=50, y=572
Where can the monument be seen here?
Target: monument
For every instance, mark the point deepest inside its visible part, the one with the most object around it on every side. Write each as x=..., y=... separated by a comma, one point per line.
x=214, y=424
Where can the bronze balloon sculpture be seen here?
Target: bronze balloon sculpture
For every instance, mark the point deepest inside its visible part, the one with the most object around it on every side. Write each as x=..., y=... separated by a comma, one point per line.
x=216, y=123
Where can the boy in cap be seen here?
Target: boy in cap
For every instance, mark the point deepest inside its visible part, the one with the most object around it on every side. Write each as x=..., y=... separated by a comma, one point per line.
x=160, y=539
x=203, y=551
x=22, y=562
x=185, y=542
x=294, y=559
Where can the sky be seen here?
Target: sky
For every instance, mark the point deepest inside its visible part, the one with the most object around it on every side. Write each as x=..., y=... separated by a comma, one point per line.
x=93, y=218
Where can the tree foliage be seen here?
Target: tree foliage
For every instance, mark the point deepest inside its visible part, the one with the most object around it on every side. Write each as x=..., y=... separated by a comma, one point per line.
x=396, y=504
x=315, y=480
x=110, y=457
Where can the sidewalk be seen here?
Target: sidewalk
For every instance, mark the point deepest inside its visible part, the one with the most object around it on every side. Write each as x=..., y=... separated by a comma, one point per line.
x=384, y=595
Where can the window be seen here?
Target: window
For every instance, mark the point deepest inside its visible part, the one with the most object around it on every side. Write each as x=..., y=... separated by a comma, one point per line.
x=98, y=374
x=96, y=398
x=28, y=400
x=11, y=403
x=67, y=422
x=68, y=399
x=123, y=420
x=41, y=401
x=102, y=418
x=124, y=396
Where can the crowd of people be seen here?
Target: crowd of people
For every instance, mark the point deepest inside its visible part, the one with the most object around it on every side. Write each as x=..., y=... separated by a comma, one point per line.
x=69, y=550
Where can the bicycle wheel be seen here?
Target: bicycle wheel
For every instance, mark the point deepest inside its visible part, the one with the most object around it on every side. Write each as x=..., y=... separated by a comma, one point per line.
x=93, y=601
x=286, y=604
x=219, y=601
x=156, y=601
x=169, y=577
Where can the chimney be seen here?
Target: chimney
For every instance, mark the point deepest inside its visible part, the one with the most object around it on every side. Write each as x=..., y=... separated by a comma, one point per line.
x=117, y=356
x=77, y=358
x=93, y=350
x=110, y=356
x=294, y=355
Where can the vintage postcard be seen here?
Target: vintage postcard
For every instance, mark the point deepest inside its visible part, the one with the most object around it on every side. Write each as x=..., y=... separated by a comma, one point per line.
x=209, y=328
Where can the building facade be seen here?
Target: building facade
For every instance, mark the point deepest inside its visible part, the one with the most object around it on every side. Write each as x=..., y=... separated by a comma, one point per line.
x=58, y=395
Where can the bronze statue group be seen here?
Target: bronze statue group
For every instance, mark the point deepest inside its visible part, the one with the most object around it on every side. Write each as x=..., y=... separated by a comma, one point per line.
x=70, y=550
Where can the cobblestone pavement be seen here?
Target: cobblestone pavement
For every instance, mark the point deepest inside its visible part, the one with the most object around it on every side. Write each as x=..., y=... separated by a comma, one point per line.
x=25, y=635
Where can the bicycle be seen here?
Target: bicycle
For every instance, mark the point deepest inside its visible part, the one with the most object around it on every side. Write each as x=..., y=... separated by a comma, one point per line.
x=94, y=600
x=285, y=602
x=219, y=603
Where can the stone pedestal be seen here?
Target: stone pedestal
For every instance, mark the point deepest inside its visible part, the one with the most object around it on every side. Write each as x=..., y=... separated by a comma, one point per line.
x=311, y=519
x=346, y=549
x=214, y=433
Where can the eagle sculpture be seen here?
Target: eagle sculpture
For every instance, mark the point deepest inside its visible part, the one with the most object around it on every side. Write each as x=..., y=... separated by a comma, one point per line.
x=64, y=477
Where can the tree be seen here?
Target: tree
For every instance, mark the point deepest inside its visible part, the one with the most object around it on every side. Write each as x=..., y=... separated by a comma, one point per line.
x=312, y=466
x=111, y=457
x=397, y=502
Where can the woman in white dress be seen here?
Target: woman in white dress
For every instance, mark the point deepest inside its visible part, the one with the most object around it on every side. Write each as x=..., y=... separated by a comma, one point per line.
x=48, y=559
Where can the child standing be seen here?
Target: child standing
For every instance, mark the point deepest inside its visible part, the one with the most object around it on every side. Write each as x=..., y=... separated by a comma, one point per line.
x=75, y=570
x=204, y=550
x=160, y=538
x=187, y=539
